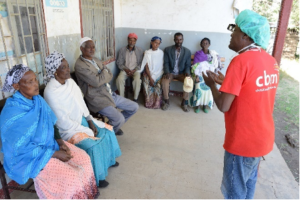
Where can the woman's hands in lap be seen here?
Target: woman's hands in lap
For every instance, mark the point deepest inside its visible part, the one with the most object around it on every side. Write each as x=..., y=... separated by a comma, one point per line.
x=62, y=155
x=93, y=127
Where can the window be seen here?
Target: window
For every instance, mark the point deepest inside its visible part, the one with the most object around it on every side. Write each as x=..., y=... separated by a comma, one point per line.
x=22, y=37
x=98, y=24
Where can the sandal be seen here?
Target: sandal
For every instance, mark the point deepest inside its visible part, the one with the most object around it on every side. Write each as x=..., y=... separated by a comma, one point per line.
x=165, y=106
x=197, y=109
x=205, y=109
x=185, y=108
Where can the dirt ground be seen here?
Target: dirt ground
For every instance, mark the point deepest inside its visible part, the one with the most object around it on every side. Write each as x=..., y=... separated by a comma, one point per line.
x=289, y=153
x=286, y=115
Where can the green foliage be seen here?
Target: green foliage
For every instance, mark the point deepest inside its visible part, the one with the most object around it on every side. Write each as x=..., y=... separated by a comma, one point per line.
x=294, y=18
x=287, y=98
x=270, y=9
x=267, y=8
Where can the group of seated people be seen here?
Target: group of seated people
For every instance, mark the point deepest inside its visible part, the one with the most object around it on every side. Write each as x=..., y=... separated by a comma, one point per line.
x=56, y=141
x=159, y=68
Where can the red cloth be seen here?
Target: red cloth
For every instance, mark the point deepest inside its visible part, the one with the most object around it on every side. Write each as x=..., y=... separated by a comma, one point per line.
x=253, y=77
x=132, y=35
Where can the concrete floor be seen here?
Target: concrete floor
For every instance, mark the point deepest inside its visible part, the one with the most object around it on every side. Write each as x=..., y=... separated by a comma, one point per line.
x=172, y=154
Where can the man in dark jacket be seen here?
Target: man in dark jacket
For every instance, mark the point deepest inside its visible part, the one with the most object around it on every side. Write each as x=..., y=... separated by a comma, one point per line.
x=177, y=65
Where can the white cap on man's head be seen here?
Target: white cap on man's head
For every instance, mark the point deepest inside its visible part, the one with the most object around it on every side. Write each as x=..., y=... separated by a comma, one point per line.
x=83, y=40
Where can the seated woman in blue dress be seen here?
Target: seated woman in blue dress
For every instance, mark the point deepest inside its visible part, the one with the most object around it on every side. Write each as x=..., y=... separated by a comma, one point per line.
x=32, y=147
x=74, y=121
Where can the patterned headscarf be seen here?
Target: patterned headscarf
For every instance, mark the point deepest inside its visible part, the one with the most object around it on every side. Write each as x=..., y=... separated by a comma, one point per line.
x=14, y=76
x=52, y=63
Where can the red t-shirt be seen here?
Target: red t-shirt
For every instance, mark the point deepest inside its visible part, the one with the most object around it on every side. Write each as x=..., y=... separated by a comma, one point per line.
x=253, y=78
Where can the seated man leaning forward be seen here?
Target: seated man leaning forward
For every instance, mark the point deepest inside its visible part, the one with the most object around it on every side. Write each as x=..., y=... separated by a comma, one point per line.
x=177, y=65
x=93, y=79
x=129, y=60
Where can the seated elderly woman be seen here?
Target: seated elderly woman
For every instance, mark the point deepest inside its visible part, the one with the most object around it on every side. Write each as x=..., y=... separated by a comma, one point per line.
x=74, y=121
x=153, y=65
x=204, y=60
x=32, y=147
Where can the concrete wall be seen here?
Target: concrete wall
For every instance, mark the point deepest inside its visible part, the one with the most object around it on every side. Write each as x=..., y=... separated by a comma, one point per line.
x=64, y=32
x=196, y=19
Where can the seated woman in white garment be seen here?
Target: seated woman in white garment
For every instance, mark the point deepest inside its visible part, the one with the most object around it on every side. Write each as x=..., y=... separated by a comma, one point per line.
x=204, y=60
x=153, y=65
x=74, y=121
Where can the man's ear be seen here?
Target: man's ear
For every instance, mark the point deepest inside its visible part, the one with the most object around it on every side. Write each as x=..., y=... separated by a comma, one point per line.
x=81, y=48
x=246, y=37
x=16, y=86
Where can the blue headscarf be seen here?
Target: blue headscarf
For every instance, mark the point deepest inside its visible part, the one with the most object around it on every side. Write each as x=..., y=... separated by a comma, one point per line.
x=155, y=38
x=27, y=135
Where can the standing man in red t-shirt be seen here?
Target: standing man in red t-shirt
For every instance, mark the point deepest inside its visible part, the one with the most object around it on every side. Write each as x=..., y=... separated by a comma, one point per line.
x=246, y=96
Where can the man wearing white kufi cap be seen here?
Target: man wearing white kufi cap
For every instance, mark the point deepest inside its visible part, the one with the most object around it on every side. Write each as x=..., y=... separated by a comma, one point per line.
x=93, y=79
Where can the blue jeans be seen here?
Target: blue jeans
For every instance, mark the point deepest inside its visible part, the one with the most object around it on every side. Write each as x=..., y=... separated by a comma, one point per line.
x=116, y=118
x=239, y=176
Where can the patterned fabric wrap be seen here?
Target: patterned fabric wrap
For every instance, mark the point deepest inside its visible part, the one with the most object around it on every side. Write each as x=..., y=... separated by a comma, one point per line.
x=73, y=179
x=201, y=95
x=153, y=95
x=14, y=76
x=27, y=135
x=52, y=63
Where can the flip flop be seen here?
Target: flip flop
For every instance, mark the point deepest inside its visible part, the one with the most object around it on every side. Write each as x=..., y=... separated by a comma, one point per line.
x=205, y=109
x=197, y=110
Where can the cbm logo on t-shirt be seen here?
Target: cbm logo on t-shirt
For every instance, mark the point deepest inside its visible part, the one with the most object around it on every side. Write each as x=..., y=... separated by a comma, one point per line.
x=266, y=79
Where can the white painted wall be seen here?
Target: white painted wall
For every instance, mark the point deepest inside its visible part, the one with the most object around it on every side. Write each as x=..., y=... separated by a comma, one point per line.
x=64, y=21
x=185, y=15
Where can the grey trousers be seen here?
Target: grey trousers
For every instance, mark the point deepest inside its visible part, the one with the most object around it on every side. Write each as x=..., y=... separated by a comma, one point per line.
x=116, y=118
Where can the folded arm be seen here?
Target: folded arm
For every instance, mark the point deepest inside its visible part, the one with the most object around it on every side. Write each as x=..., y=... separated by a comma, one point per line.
x=92, y=78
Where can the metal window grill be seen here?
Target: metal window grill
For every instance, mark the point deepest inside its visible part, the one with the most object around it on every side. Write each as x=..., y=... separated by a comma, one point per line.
x=98, y=24
x=22, y=37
